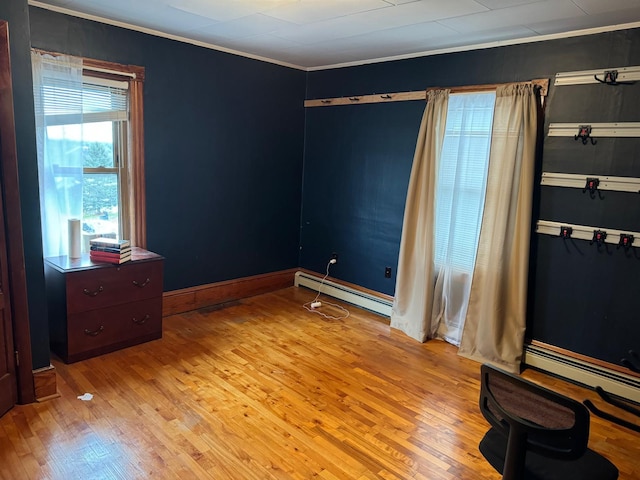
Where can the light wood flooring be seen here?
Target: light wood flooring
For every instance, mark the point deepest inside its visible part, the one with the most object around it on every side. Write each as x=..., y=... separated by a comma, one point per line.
x=263, y=389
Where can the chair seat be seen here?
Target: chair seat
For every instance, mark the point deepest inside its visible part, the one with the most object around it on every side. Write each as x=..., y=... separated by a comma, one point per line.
x=591, y=466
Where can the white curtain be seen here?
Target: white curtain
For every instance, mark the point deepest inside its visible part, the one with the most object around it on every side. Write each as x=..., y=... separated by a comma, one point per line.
x=495, y=323
x=413, y=300
x=435, y=277
x=460, y=192
x=57, y=87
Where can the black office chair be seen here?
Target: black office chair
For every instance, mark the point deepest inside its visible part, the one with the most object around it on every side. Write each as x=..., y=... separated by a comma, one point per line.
x=536, y=433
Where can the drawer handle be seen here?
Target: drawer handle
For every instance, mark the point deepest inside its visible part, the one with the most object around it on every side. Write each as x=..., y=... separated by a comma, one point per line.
x=142, y=320
x=143, y=284
x=94, y=293
x=95, y=333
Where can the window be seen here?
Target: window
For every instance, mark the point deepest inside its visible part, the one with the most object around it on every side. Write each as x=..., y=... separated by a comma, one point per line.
x=462, y=179
x=90, y=151
x=99, y=134
x=459, y=204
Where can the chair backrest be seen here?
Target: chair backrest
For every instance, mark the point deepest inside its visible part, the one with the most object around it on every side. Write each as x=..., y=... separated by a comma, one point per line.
x=533, y=418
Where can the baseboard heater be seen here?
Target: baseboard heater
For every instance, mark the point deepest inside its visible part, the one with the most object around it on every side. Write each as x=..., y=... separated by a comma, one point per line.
x=617, y=383
x=343, y=292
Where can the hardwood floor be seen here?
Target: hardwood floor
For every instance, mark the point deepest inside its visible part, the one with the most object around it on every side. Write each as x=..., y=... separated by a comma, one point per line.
x=264, y=389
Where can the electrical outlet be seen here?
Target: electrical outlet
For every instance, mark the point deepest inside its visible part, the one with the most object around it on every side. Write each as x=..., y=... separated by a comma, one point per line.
x=334, y=256
x=387, y=272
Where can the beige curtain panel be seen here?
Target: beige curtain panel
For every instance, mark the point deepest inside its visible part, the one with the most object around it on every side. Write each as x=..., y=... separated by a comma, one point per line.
x=495, y=323
x=413, y=301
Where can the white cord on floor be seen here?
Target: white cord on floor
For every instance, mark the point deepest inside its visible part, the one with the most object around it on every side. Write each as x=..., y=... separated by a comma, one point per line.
x=307, y=306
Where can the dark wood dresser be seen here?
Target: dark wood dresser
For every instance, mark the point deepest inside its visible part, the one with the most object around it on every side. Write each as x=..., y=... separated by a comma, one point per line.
x=95, y=308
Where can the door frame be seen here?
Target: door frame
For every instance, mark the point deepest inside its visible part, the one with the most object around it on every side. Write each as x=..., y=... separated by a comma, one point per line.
x=13, y=227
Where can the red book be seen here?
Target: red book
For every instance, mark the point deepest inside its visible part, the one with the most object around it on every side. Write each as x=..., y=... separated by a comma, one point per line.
x=109, y=257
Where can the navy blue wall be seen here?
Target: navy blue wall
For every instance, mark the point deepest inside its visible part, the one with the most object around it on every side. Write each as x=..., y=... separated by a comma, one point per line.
x=357, y=166
x=223, y=149
x=16, y=13
x=358, y=160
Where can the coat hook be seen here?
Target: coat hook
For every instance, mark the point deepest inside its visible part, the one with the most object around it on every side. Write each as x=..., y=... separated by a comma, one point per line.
x=626, y=241
x=599, y=237
x=611, y=78
x=325, y=101
x=354, y=99
x=584, y=133
x=592, y=186
x=565, y=232
x=386, y=97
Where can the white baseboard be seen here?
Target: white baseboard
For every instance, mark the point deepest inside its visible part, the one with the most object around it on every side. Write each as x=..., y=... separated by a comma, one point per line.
x=342, y=292
x=625, y=386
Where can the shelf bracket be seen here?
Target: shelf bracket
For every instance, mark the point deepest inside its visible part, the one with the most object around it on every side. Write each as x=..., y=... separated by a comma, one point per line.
x=584, y=182
x=622, y=129
x=609, y=76
x=597, y=235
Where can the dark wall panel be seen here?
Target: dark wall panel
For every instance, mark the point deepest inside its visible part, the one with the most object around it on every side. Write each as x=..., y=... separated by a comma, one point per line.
x=17, y=14
x=224, y=145
x=580, y=298
x=587, y=298
x=356, y=162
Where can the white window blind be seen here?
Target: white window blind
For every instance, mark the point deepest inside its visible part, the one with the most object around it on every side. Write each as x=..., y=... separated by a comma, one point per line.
x=99, y=101
x=462, y=178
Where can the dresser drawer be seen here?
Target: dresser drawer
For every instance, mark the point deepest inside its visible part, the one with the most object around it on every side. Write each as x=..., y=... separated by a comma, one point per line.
x=116, y=326
x=104, y=287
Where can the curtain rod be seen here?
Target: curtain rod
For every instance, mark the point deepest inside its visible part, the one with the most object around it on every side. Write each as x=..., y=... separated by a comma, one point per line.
x=543, y=83
x=93, y=65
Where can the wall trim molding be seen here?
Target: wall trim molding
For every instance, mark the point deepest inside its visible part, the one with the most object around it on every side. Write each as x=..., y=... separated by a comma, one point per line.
x=368, y=299
x=193, y=298
x=45, y=383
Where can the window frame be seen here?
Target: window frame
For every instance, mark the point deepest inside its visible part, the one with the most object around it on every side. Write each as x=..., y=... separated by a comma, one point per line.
x=131, y=178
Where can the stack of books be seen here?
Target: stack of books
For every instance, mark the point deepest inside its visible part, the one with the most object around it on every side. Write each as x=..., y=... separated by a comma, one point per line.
x=110, y=250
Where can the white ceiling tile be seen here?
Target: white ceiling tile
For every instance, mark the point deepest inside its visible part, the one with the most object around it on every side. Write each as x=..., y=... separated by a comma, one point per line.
x=250, y=25
x=586, y=21
x=180, y=21
x=223, y=10
x=518, y=15
x=495, y=4
x=420, y=12
x=592, y=7
x=410, y=35
x=366, y=46
x=311, y=11
x=497, y=35
x=415, y=38
x=381, y=19
x=145, y=13
x=326, y=30
x=401, y=2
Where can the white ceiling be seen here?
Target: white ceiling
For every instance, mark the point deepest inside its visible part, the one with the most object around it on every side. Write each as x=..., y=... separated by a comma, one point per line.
x=315, y=34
